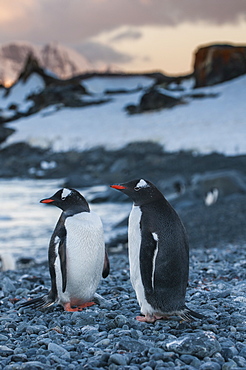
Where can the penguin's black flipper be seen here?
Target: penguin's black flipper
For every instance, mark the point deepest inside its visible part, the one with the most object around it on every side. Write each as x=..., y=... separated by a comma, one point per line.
x=106, y=266
x=147, y=268
x=44, y=301
x=189, y=315
x=63, y=262
x=57, y=249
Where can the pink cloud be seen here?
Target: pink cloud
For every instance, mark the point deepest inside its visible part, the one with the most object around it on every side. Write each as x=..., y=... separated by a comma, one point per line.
x=75, y=21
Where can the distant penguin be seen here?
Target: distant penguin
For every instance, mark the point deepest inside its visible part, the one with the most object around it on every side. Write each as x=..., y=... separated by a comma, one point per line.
x=158, y=254
x=211, y=197
x=77, y=256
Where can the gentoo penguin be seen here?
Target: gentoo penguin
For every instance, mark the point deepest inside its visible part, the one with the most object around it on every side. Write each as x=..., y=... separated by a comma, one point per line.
x=158, y=253
x=77, y=256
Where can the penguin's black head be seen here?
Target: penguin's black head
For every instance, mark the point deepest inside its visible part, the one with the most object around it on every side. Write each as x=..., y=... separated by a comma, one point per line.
x=69, y=200
x=140, y=191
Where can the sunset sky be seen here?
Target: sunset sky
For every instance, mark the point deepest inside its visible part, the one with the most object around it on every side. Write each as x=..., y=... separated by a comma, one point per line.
x=135, y=35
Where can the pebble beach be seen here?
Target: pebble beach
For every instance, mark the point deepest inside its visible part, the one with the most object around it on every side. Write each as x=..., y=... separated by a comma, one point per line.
x=107, y=336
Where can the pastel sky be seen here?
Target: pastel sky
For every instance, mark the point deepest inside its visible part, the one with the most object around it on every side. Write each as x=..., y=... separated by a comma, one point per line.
x=135, y=35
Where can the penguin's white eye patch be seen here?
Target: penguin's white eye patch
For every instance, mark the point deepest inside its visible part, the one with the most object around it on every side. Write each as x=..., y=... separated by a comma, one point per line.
x=141, y=184
x=65, y=193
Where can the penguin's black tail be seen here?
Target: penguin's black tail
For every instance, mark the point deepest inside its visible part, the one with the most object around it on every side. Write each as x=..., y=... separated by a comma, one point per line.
x=38, y=303
x=189, y=315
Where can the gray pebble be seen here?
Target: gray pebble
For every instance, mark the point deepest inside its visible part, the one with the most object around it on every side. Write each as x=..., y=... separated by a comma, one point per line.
x=109, y=337
x=22, y=357
x=58, y=350
x=210, y=365
x=6, y=351
x=201, y=344
x=117, y=359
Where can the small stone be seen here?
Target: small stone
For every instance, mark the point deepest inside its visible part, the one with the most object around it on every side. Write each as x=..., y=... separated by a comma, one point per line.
x=241, y=362
x=131, y=345
x=58, y=350
x=7, y=285
x=210, y=365
x=3, y=338
x=243, y=352
x=36, y=329
x=187, y=359
x=229, y=365
x=121, y=320
x=6, y=351
x=34, y=365
x=200, y=344
x=31, y=352
x=229, y=352
x=103, y=343
x=118, y=359
x=21, y=357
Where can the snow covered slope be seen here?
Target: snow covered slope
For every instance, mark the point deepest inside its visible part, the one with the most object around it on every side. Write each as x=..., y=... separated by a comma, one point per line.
x=215, y=124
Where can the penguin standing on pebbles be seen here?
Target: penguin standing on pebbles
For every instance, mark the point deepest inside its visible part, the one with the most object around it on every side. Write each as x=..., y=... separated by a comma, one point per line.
x=77, y=256
x=158, y=254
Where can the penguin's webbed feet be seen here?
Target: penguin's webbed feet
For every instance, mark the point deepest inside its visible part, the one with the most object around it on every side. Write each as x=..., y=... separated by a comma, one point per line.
x=151, y=318
x=67, y=306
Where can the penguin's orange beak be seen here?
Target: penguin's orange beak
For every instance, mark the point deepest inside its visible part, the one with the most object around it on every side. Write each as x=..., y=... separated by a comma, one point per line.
x=47, y=200
x=118, y=187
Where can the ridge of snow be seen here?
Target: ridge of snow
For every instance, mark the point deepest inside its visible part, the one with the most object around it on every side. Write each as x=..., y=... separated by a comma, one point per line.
x=211, y=124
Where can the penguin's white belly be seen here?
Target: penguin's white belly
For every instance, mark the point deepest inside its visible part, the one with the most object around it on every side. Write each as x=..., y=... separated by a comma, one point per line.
x=85, y=251
x=134, y=243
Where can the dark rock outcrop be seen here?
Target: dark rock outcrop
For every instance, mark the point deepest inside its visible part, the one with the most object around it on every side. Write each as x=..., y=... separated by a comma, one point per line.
x=153, y=100
x=32, y=66
x=218, y=63
x=5, y=132
x=63, y=93
x=227, y=182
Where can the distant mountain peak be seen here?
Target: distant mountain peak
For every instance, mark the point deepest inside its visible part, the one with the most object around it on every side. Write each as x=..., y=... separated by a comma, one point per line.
x=61, y=60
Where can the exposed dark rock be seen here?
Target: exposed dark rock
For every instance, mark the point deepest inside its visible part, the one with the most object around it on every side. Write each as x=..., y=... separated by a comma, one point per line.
x=153, y=100
x=67, y=96
x=156, y=100
x=171, y=171
x=32, y=66
x=5, y=132
x=227, y=182
x=220, y=224
x=218, y=63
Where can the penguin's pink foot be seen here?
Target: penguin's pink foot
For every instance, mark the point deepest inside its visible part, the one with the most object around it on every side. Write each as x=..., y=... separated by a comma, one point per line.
x=151, y=319
x=67, y=306
x=146, y=318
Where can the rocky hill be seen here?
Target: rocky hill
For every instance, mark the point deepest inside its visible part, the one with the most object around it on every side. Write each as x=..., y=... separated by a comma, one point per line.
x=62, y=61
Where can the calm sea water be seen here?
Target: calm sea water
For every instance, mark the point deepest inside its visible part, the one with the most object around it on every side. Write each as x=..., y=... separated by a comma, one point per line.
x=26, y=225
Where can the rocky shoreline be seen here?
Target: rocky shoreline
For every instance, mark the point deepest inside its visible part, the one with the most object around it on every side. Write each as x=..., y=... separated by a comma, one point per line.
x=185, y=178
x=109, y=337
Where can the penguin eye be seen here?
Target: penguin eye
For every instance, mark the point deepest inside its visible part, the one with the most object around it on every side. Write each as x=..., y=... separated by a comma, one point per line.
x=137, y=188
